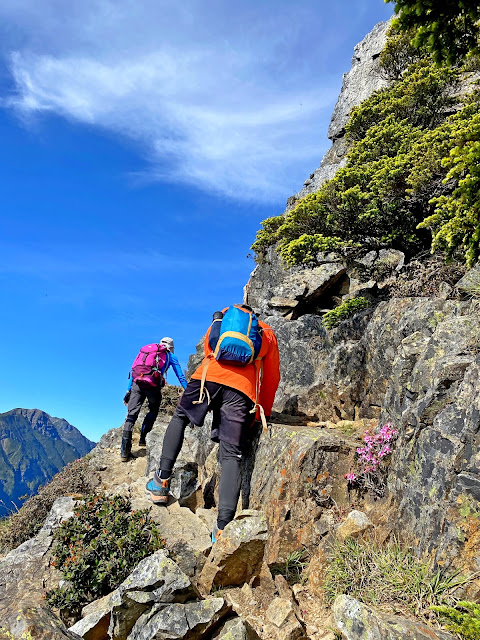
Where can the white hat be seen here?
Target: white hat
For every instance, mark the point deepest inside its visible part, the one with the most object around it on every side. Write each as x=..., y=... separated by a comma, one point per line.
x=168, y=342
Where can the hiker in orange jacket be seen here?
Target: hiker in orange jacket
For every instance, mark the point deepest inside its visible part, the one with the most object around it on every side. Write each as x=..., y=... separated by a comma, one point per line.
x=235, y=394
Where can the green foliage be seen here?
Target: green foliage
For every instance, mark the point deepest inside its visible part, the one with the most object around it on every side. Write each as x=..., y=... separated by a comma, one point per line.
x=268, y=235
x=455, y=222
x=75, y=478
x=387, y=575
x=293, y=568
x=449, y=30
x=98, y=547
x=398, y=54
x=306, y=248
x=421, y=98
x=399, y=137
x=345, y=310
x=463, y=618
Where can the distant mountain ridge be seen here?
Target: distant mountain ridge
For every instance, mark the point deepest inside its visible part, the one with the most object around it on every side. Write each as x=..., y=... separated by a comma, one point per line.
x=34, y=446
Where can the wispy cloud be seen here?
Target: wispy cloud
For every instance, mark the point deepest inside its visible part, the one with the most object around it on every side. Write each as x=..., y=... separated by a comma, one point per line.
x=216, y=98
x=48, y=262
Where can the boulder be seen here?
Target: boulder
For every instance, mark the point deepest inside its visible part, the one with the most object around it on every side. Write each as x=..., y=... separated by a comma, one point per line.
x=34, y=621
x=283, y=623
x=95, y=620
x=267, y=615
x=237, y=555
x=236, y=629
x=25, y=573
x=156, y=579
x=175, y=621
x=62, y=509
x=356, y=621
x=354, y=525
x=177, y=524
x=470, y=283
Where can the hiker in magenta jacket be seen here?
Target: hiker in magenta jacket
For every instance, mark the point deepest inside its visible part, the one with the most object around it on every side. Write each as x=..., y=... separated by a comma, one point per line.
x=136, y=395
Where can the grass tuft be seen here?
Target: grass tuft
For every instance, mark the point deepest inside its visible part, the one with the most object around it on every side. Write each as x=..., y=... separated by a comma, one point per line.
x=388, y=576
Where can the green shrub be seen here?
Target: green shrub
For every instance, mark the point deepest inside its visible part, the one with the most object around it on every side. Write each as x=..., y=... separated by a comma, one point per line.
x=412, y=177
x=398, y=53
x=293, y=568
x=305, y=249
x=75, y=478
x=449, y=30
x=456, y=219
x=387, y=575
x=383, y=193
x=345, y=310
x=463, y=618
x=97, y=548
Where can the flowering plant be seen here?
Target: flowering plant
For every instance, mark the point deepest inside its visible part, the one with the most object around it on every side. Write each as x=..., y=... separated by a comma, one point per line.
x=369, y=459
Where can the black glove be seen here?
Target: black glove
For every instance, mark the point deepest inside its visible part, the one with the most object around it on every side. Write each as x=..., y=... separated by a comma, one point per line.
x=126, y=397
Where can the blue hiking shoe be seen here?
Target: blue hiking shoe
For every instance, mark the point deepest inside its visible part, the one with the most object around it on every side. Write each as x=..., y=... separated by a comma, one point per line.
x=216, y=533
x=158, y=493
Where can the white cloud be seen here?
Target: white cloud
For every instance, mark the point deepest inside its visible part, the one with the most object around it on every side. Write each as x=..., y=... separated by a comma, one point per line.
x=216, y=99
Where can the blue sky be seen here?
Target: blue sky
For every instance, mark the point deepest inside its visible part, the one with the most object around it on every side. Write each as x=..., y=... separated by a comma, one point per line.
x=142, y=143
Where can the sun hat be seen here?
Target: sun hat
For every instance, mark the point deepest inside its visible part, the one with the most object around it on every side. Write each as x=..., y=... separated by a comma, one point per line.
x=168, y=342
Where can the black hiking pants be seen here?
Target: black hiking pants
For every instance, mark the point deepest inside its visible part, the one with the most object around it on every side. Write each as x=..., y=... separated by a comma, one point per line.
x=231, y=410
x=137, y=398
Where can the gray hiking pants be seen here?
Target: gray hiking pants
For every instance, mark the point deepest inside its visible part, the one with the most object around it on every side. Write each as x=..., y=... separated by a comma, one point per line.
x=231, y=410
x=137, y=398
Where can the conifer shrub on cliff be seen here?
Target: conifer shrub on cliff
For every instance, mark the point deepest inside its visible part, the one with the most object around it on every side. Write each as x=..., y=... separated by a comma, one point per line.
x=412, y=167
x=449, y=30
x=97, y=548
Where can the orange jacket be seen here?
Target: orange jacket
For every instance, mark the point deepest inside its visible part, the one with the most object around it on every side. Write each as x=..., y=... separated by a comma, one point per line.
x=244, y=378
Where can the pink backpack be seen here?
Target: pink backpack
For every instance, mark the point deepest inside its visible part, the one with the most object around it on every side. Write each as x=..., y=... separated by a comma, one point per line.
x=146, y=368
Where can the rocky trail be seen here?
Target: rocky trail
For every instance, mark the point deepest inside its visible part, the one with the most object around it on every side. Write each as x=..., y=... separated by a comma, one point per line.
x=294, y=499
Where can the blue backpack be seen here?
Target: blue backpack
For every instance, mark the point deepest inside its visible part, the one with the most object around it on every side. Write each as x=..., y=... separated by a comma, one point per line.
x=236, y=338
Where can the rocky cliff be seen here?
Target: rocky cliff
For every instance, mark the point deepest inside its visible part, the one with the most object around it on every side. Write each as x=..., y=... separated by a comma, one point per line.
x=411, y=357
x=361, y=81
x=33, y=448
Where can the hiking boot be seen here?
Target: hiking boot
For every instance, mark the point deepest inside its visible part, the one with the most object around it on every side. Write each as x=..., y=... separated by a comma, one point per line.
x=126, y=447
x=216, y=533
x=158, y=492
x=143, y=434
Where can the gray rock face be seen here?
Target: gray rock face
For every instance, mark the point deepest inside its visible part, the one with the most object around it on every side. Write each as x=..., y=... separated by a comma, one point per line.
x=433, y=399
x=62, y=509
x=358, y=622
x=362, y=80
x=321, y=371
x=236, y=629
x=237, y=554
x=411, y=360
x=359, y=83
